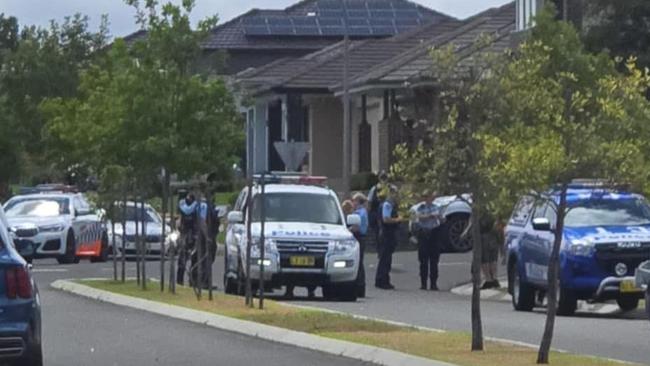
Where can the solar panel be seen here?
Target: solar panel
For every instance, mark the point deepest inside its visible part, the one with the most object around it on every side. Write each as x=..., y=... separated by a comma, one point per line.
x=256, y=30
x=332, y=31
x=381, y=21
x=407, y=21
x=359, y=31
x=357, y=22
x=383, y=31
x=379, y=5
x=279, y=21
x=281, y=30
x=358, y=13
x=407, y=14
x=305, y=21
x=255, y=20
x=355, y=4
x=404, y=5
x=382, y=14
x=329, y=4
x=331, y=13
x=307, y=31
x=328, y=22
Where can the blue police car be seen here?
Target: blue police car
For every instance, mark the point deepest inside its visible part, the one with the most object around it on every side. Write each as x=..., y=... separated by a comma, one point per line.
x=20, y=308
x=605, y=238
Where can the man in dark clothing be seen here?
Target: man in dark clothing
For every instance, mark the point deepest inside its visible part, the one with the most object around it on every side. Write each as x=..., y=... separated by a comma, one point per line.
x=188, y=211
x=390, y=221
x=427, y=229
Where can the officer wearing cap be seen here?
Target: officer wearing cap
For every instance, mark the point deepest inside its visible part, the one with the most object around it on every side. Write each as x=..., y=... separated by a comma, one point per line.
x=390, y=221
x=427, y=228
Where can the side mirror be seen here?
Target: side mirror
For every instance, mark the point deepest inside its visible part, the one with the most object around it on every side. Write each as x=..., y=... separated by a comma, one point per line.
x=354, y=220
x=235, y=217
x=541, y=224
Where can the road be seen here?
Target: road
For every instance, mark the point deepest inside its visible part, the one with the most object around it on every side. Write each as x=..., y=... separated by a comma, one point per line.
x=620, y=336
x=81, y=332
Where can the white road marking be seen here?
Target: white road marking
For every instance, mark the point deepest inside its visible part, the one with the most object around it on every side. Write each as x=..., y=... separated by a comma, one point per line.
x=49, y=270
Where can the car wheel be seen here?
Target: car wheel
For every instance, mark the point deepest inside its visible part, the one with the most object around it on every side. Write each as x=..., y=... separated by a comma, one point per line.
x=628, y=303
x=523, y=294
x=230, y=285
x=361, y=291
x=567, y=303
x=70, y=251
x=348, y=292
x=452, y=234
x=329, y=293
x=103, y=252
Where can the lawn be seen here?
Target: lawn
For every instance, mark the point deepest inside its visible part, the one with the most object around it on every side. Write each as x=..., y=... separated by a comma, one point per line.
x=452, y=347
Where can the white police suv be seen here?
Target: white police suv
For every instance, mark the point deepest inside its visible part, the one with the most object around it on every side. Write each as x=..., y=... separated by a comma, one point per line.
x=307, y=241
x=57, y=225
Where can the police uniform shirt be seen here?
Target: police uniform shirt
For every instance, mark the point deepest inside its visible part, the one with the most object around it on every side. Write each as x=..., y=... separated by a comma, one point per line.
x=363, y=214
x=424, y=212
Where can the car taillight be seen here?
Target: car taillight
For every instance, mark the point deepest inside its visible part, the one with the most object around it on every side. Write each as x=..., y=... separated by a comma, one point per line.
x=18, y=283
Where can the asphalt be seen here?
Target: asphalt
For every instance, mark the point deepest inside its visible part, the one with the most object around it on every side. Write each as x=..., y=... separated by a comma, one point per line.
x=619, y=336
x=83, y=332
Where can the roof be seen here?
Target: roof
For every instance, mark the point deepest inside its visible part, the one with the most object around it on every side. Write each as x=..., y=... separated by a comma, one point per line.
x=314, y=24
x=393, y=60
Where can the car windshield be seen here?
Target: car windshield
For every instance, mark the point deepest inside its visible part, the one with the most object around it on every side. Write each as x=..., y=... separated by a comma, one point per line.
x=41, y=207
x=132, y=212
x=298, y=207
x=608, y=212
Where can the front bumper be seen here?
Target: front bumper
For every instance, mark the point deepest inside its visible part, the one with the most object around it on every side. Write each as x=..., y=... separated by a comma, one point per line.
x=43, y=245
x=337, y=268
x=613, y=287
x=642, y=275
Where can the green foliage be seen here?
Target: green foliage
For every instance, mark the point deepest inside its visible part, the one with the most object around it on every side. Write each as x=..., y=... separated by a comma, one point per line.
x=142, y=108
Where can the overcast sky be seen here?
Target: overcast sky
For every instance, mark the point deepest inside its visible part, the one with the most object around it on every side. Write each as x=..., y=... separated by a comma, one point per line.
x=40, y=12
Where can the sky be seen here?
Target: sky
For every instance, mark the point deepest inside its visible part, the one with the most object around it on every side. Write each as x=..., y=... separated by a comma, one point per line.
x=122, y=22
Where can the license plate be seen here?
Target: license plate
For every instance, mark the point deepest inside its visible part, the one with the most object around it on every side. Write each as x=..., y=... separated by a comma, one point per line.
x=302, y=261
x=628, y=286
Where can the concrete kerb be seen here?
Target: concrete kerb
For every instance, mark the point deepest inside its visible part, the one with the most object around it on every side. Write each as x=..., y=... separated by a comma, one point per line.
x=365, y=353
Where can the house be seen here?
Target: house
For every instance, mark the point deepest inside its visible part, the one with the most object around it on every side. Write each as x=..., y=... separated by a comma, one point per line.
x=262, y=36
x=300, y=98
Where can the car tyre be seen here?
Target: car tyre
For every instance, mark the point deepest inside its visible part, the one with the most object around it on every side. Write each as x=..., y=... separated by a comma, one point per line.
x=33, y=355
x=627, y=303
x=452, y=230
x=342, y=292
x=567, y=303
x=70, y=251
x=523, y=294
x=103, y=252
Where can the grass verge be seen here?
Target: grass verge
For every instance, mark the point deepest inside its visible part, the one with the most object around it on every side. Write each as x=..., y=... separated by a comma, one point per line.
x=452, y=347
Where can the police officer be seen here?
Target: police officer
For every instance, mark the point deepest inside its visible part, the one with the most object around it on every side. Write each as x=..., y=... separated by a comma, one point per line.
x=390, y=221
x=360, y=233
x=376, y=197
x=188, y=210
x=203, y=243
x=427, y=229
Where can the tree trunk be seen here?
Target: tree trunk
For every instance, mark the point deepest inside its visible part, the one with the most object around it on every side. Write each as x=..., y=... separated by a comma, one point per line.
x=124, y=237
x=477, y=323
x=113, y=210
x=553, y=281
x=172, y=259
x=249, y=238
x=262, y=241
x=137, y=241
x=165, y=190
x=144, y=245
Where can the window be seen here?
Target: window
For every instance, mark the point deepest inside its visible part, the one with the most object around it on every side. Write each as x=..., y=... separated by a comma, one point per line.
x=298, y=207
x=522, y=211
x=540, y=210
x=608, y=212
x=41, y=207
x=526, y=12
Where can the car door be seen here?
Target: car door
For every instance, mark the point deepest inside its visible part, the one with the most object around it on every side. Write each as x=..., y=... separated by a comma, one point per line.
x=535, y=248
x=234, y=233
x=87, y=228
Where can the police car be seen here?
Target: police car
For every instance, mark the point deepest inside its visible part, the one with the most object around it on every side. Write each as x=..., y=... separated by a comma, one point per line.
x=605, y=238
x=307, y=241
x=57, y=225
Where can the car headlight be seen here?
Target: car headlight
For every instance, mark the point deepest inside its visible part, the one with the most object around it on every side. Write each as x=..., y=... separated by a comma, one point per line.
x=581, y=248
x=342, y=246
x=256, y=248
x=51, y=228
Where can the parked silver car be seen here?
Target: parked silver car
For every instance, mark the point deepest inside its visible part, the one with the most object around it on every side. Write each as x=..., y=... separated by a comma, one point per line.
x=127, y=234
x=457, y=212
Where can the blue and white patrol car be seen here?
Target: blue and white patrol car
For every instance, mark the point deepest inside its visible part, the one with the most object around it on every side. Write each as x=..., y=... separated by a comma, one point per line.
x=605, y=238
x=307, y=241
x=57, y=225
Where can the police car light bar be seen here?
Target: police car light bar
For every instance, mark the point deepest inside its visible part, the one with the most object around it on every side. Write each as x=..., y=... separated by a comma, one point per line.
x=596, y=184
x=290, y=178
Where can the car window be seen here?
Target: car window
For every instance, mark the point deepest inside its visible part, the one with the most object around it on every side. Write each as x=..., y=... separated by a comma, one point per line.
x=540, y=209
x=240, y=200
x=37, y=206
x=522, y=211
x=608, y=212
x=550, y=214
x=298, y=207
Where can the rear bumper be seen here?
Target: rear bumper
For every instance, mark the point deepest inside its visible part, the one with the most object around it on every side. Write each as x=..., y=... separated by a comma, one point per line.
x=14, y=339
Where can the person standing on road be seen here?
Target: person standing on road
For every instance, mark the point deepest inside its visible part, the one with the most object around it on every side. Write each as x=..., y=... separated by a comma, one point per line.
x=427, y=228
x=187, y=208
x=376, y=197
x=359, y=201
x=492, y=242
x=390, y=221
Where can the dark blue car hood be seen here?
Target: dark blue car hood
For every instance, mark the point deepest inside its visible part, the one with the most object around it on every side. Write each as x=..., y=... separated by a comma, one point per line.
x=608, y=234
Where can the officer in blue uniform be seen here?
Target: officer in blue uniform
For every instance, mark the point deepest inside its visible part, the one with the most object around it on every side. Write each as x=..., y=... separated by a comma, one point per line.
x=427, y=228
x=188, y=210
x=390, y=221
x=360, y=233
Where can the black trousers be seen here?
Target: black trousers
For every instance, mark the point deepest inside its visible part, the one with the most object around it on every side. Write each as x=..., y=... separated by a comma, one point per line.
x=429, y=255
x=385, y=249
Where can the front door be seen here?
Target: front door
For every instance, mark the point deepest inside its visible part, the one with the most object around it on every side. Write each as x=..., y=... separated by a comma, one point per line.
x=275, y=135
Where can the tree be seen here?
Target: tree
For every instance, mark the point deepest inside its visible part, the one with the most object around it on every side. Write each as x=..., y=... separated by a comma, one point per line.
x=143, y=108
x=452, y=120
x=565, y=113
x=621, y=27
